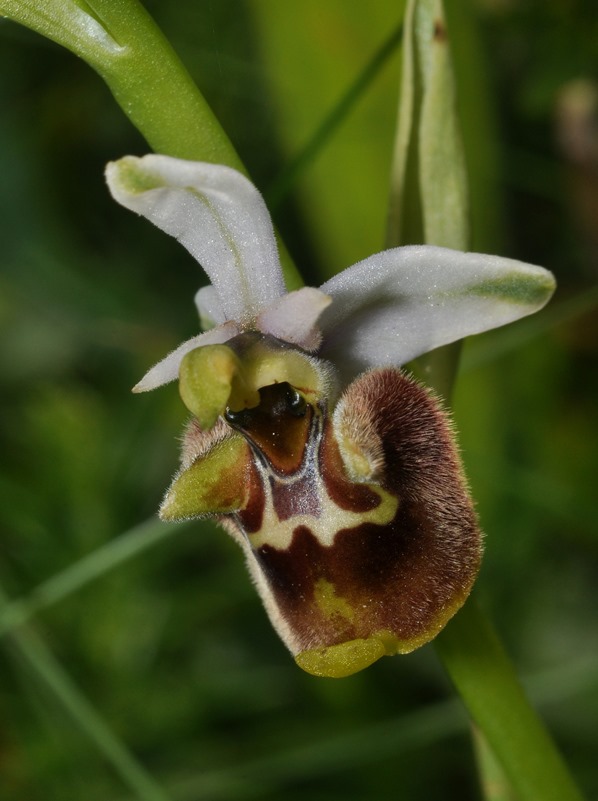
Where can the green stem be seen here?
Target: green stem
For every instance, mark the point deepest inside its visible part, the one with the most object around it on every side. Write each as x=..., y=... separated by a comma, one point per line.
x=124, y=45
x=484, y=677
x=121, y=41
x=32, y=650
x=494, y=784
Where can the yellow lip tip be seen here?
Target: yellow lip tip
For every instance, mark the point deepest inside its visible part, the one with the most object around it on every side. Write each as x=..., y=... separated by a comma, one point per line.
x=344, y=659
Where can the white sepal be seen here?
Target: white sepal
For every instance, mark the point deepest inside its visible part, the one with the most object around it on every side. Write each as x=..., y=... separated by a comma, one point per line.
x=217, y=214
x=401, y=303
x=209, y=307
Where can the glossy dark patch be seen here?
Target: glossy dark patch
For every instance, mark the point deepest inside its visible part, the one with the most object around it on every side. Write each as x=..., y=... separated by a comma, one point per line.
x=278, y=427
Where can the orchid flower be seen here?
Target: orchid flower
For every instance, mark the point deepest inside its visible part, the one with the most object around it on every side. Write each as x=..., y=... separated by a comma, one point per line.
x=336, y=472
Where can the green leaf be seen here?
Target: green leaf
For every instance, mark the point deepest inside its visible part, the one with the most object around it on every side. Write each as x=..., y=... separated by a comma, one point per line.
x=429, y=176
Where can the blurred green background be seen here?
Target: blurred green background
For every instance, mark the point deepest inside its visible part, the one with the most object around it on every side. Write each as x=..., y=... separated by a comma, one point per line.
x=171, y=646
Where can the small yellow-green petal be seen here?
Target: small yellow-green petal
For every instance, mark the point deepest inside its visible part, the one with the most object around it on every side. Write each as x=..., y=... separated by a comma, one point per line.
x=206, y=382
x=214, y=484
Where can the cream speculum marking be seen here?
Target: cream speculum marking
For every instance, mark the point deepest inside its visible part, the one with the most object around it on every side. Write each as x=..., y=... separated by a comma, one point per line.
x=293, y=490
x=337, y=474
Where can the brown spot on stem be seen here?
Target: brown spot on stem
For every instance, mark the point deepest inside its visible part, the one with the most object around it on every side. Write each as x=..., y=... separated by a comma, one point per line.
x=440, y=32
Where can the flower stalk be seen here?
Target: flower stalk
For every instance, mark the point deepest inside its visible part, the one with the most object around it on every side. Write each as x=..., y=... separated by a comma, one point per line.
x=121, y=41
x=485, y=678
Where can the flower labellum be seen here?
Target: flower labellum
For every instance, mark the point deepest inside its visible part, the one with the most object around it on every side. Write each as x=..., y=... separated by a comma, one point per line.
x=336, y=472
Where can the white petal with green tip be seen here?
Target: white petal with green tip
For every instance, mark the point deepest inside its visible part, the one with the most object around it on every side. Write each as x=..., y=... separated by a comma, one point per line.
x=401, y=303
x=217, y=214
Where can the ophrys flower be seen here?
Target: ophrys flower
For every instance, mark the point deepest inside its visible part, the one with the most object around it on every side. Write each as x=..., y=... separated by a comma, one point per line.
x=335, y=471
